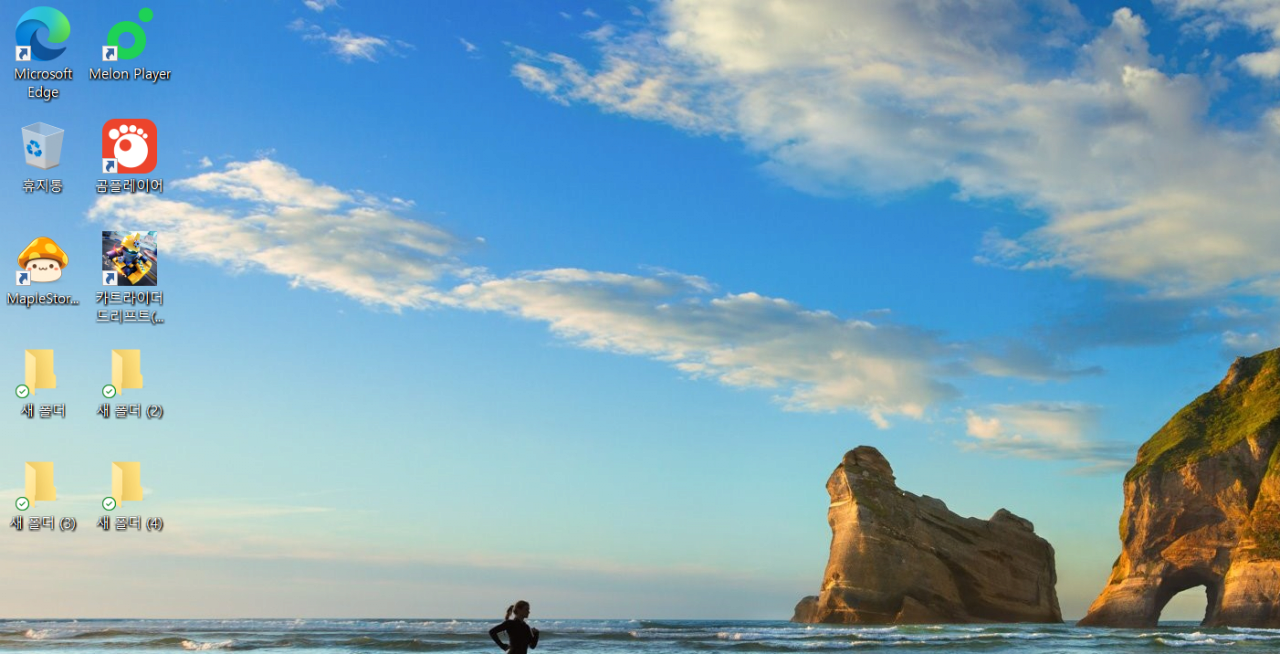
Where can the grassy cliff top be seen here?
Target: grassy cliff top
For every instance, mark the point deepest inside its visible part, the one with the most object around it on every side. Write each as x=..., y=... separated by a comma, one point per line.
x=1244, y=403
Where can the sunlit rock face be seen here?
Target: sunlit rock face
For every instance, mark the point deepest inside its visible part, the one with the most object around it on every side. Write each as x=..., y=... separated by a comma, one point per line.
x=899, y=558
x=1202, y=508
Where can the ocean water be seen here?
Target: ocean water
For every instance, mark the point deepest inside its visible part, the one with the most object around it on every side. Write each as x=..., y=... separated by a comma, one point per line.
x=622, y=636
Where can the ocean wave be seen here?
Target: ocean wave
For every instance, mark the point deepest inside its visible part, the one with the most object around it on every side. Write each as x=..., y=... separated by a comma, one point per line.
x=404, y=645
x=618, y=636
x=742, y=646
x=46, y=634
x=737, y=635
x=1174, y=642
x=192, y=646
x=90, y=634
x=1255, y=630
x=634, y=634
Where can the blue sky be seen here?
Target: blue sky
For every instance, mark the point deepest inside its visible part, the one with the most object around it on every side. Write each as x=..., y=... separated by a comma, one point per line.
x=582, y=302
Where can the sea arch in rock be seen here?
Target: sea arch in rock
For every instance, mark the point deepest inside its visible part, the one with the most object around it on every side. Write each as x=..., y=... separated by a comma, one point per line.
x=1202, y=508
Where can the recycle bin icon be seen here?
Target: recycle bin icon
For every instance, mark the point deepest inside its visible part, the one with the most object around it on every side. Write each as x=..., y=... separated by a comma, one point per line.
x=43, y=145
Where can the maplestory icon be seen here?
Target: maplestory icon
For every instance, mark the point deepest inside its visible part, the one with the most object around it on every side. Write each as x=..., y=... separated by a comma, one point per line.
x=41, y=261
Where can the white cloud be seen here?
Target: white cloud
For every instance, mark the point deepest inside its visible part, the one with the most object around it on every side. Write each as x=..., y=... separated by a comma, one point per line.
x=1247, y=343
x=269, y=182
x=206, y=162
x=1045, y=431
x=1260, y=17
x=623, y=87
x=589, y=13
x=602, y=33
x=1262, y=64
x=262, y=216
x=884, y=97
x=983, y=428
x=470, y=47
x=320, y=5
x=813, y=360
x=312, y=234
x=350, y=46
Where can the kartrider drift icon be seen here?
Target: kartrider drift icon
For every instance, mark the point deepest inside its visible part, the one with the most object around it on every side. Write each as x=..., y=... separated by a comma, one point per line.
x=29, y=45
x=113, y=51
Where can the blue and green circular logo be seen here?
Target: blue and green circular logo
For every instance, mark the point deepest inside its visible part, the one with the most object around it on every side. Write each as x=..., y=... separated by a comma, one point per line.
x=49, y=19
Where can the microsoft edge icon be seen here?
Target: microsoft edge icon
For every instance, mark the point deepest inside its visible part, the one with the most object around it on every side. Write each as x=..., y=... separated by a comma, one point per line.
x=50, y=19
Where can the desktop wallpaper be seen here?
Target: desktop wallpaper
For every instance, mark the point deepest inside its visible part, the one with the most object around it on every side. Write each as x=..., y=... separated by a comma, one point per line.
x=461, y=303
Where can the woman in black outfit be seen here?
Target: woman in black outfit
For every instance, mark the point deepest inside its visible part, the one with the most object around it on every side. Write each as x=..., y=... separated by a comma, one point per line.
x=522, y=636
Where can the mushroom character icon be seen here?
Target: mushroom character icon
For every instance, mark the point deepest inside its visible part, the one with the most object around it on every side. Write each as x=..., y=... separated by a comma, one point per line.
x=44, y=260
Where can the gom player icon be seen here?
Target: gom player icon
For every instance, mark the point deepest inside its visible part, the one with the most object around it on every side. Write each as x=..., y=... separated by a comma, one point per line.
x=129, y=146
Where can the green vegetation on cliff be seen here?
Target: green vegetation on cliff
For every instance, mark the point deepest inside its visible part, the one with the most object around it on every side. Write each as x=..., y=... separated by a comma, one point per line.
x=1244, y=404
x=1264, y=529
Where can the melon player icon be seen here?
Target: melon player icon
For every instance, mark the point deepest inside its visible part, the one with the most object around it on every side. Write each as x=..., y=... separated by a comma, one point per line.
x=129, y=146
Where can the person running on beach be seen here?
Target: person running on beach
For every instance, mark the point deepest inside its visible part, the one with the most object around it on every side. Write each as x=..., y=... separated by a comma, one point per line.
x=522, y=636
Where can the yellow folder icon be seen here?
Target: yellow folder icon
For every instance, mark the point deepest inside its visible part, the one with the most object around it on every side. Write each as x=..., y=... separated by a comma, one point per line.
x=40, y=482
x=126, y=369
x=40, y=370
x=126, y=481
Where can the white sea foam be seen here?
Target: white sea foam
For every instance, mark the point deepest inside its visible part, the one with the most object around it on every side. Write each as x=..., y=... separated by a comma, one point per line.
x=1172, y=642
x=667, y=636
x=193, y=646
x=1256, y=630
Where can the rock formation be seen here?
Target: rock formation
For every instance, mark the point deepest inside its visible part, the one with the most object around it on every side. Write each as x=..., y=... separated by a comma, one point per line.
x=1202, y=508
x=899, y=558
